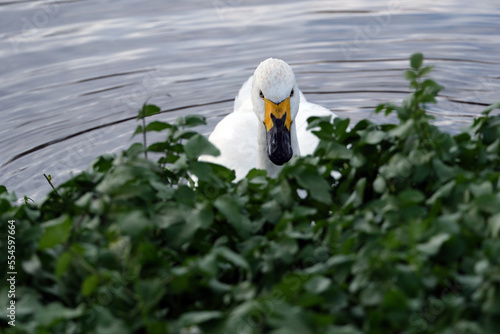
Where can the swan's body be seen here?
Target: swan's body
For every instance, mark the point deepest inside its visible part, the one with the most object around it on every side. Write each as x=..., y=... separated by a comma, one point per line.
x=241, y=136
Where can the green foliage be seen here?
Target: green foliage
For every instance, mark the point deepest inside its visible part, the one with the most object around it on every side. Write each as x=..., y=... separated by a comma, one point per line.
x=390, y=228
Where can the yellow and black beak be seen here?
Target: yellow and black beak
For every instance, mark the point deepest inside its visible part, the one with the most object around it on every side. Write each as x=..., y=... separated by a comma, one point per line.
x=277, y=122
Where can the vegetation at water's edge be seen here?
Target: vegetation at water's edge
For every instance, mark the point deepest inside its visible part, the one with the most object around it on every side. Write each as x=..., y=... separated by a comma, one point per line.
x=406, y=240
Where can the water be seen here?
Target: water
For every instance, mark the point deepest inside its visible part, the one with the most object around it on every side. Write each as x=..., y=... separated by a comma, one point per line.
x=74, y=73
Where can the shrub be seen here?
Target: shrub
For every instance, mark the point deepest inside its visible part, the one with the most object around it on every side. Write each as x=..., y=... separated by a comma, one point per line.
x=390, y=228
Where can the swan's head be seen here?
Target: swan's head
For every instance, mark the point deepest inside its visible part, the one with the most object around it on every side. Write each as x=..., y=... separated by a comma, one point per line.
x=275, y=98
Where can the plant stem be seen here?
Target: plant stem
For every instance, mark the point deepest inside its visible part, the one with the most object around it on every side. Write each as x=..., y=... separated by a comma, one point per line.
x=144, y=136
x=48, y=180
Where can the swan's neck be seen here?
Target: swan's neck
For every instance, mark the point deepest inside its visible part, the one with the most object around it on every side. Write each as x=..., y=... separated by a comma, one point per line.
x=263, y=161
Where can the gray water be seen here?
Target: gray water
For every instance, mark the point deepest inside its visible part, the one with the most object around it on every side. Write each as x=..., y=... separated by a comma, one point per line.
x=74, y=73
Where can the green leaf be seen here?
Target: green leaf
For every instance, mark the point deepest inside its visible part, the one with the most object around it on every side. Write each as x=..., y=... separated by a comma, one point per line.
x=394, y=307
x=402, y=130
x=89, y=285
x=164, y=191
x=373, y=137
x=232, y=257
x=198, y=145
x=271, y=211
x=492, y=107
x=148, y=110
x=346, y=329
x=316, y=186
x=170, y=215
x=159, y=147
x=335, y=150
x=300, y=211
x=63, y=263
x=358, y=160
x=32, y=266
x=379, y=185
x=489, y=203
x=56, y=231
x=137, y=130
x=157, y=126
x=484, y=188
x=432, y=246
x=202, y=216
x=195, y=318
x=150, y=292
x=411, y=196
x=443, y=191
x=356, y=197
x=232, y=212
x=318, y=284
x=133, y=223
x=134, y=150
x=494, y=225
x=410, y=75
x=282, y=193
x=416, y=60
x=371, y=295
x=106, y=323
x=388, y=107
x=103, y=163
x=55, y=311
x=430, y=91
x=194, y=120
x=425, y=70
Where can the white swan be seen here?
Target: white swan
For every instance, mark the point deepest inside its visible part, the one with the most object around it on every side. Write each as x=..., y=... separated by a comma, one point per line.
x=268, y=124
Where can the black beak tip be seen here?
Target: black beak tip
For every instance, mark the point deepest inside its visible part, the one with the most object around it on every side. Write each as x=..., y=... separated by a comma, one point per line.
x=280, y=158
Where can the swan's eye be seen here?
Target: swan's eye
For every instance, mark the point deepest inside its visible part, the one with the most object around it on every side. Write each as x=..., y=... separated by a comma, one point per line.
x=261, y=94
x=291, y=93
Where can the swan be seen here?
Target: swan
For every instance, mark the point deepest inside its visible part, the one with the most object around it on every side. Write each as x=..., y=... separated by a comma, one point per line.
x=268, y=125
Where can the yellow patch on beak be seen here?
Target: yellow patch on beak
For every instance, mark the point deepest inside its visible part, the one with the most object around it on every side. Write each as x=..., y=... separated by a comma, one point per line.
x=278, y=111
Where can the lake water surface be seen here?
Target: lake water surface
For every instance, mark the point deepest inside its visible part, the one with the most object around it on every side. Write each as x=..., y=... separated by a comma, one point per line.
x=74, y=73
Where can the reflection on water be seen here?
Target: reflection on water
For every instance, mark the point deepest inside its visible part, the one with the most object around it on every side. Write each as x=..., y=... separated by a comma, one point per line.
x=74, y=73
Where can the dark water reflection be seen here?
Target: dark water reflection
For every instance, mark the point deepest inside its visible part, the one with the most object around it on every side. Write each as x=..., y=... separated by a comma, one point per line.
x=74, y=73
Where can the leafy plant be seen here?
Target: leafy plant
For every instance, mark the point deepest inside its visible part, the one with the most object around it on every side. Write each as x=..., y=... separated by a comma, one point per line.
x=389, y=228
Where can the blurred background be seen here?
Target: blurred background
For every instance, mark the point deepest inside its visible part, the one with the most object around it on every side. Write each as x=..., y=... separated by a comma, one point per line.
x=74, y=73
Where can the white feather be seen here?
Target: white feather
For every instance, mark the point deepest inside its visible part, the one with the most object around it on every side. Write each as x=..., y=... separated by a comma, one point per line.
x=236, y=135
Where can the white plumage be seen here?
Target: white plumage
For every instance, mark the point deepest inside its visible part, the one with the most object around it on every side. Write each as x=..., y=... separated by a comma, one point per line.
x=240, y=136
